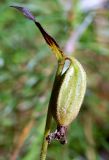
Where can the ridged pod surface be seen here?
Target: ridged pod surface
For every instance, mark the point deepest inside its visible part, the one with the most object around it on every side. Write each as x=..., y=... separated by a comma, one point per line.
x=71, y=92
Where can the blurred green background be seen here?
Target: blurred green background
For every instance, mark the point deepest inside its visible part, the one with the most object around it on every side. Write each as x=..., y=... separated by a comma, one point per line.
x=27, y=70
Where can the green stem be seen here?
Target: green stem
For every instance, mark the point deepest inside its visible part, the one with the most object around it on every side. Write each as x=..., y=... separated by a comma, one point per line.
x=47, y=131
x=49, y=115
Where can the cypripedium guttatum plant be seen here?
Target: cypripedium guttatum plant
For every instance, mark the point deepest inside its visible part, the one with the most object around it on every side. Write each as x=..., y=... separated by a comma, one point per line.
x=67, y=93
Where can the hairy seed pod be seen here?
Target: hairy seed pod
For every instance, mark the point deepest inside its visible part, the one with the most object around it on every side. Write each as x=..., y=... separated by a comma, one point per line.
x=70, y=93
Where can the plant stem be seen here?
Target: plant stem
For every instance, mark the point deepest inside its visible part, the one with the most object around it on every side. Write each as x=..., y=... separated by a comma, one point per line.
x=46, y=132
x=49, y=114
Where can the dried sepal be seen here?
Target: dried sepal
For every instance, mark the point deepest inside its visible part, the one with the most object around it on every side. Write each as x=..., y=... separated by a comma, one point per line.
x=59, y=135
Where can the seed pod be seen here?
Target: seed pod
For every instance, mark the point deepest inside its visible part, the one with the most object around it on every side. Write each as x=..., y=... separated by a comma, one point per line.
x=70, y=94
x=66, y=99
x=68, y=89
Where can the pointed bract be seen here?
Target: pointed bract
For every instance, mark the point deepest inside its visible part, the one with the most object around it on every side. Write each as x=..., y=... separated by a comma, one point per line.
x=50, y=40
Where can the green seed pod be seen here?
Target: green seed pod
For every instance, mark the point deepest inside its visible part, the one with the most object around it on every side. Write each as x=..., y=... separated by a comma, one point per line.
x=71, y=90
x=68, y=89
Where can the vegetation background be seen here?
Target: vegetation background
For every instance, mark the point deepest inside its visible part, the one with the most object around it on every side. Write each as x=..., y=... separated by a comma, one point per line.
x=27, y=70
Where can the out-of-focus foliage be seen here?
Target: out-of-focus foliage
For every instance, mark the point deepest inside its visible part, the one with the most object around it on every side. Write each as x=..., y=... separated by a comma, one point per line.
x=27, y=69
